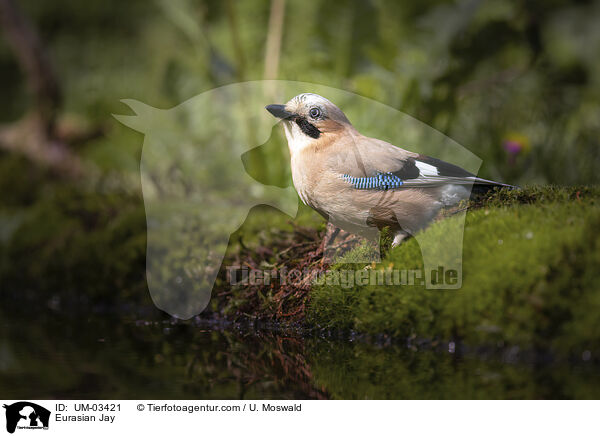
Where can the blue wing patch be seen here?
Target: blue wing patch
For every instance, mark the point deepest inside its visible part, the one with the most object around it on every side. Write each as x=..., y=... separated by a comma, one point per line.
x=381, y=182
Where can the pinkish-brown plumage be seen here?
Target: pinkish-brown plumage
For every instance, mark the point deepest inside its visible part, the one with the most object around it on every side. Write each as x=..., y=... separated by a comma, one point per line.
x=326, y=151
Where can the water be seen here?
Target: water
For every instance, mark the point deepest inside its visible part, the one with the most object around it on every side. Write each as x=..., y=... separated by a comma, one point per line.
x=100, y=356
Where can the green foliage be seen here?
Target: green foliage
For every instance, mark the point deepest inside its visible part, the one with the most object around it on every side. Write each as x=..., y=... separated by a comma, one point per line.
x=526, y=271
x=481, y=73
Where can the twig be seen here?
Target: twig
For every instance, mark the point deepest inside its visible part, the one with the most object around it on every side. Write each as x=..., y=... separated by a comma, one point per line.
x=274, y=36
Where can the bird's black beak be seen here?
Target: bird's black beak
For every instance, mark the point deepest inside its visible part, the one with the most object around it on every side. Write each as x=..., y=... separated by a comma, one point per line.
x=278, y=110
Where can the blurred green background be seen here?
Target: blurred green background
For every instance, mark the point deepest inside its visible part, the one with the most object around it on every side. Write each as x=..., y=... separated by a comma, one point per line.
x=515, y=82
x=482, y=72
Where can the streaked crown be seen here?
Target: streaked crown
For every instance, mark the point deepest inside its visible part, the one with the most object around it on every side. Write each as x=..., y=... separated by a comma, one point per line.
x=302, y=104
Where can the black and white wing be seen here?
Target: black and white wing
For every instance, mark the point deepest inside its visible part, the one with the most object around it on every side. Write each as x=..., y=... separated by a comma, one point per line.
x=384, y=166
x=435, y=172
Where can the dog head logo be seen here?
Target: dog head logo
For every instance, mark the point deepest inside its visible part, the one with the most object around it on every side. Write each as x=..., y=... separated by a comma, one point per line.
x=26, y=415
x=197, y=191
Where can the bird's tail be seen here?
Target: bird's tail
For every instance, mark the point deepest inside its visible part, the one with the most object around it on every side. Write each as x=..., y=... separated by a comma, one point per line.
x=482, y=187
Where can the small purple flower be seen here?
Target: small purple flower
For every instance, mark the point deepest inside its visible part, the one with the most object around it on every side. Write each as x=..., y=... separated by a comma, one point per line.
x=513, y=147
x=515, y=144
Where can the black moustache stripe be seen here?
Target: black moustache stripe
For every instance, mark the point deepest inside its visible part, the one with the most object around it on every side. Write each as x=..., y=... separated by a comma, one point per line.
x=308, y=128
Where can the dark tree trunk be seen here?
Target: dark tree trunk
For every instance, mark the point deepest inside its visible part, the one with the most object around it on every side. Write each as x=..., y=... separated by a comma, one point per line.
x=33, y=60
x=34, y=135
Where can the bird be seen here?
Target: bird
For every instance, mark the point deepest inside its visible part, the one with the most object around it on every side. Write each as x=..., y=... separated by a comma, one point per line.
x=359, y=183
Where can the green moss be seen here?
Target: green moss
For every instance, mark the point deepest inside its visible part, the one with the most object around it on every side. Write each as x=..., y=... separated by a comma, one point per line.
x=529, y=278
x=21, y=184
x=81, y=245
x=530, y=265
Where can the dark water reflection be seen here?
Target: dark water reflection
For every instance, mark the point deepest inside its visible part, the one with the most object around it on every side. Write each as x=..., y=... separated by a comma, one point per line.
x=53, y=356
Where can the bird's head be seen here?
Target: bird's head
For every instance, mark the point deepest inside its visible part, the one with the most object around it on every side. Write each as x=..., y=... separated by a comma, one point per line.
x=309, y=119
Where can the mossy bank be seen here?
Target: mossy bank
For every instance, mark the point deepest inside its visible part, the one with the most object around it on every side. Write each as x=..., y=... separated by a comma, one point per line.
x=530, y=268
x=531, y=263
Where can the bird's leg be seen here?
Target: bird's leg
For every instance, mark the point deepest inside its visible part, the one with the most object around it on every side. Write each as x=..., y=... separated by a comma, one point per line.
x=328, y=239
x=399, y=237
x=330, y=235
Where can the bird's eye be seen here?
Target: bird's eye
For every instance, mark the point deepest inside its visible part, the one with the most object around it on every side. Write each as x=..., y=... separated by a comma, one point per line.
x=314, y=112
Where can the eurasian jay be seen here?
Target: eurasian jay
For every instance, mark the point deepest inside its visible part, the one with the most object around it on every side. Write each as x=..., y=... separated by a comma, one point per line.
x=358, y=182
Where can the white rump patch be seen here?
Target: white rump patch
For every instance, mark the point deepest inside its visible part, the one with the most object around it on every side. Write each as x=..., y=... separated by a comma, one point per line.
x=426, y=169
x=453, y=194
